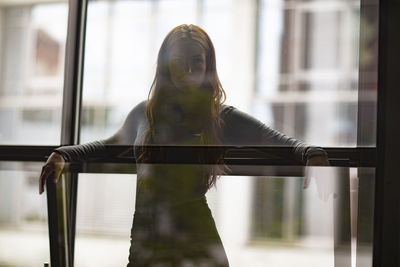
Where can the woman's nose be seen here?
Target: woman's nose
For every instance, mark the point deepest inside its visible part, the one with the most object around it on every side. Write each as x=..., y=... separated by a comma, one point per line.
x=188, y=68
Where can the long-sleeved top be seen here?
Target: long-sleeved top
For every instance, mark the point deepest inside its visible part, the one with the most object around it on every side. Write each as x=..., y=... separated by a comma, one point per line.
x=173, y=225
x=238, y=128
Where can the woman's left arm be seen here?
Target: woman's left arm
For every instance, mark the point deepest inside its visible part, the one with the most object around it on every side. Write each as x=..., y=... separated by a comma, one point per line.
x=242, y=129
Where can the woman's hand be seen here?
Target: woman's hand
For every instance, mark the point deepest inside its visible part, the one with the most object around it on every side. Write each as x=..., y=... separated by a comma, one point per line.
x=318, y=161
x=315, y=161
x=51, y=169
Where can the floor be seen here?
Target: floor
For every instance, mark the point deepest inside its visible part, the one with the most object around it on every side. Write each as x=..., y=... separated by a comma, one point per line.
x=30, y=248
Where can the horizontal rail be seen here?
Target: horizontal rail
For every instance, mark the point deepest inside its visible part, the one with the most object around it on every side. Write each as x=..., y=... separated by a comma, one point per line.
x=230, y=155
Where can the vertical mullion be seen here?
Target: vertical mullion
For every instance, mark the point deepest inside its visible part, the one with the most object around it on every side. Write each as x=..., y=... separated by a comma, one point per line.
x=74, y=73
x=62, y=197
x=366, y=125
x=387, y=197
x=57, y=225
x=72, y=106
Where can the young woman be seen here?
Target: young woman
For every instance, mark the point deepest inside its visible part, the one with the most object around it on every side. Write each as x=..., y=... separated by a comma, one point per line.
x=172, y=224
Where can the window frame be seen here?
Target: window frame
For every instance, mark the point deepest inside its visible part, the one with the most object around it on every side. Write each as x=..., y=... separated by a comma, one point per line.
x=62, y=211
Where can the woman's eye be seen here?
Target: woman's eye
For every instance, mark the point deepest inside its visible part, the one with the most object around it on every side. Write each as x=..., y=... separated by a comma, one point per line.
x=198, y=62
x=177, y=62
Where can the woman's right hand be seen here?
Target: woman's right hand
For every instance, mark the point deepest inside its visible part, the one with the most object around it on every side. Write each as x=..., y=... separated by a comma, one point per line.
x=51, y=169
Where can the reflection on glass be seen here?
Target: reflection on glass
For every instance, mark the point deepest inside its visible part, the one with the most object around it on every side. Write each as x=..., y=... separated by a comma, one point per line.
x=172, y=224
x=24, y=237
x=308, y=57
x=31, y=70
x=304, y=78
x=303, y=55
x=104, y=219
x=268, y=219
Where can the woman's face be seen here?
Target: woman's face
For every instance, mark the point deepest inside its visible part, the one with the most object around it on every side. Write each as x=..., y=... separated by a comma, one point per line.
x=187, y=64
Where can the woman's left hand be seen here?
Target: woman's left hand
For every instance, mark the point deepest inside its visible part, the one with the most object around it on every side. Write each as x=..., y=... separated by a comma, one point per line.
x=318, y=161
x=314, y=161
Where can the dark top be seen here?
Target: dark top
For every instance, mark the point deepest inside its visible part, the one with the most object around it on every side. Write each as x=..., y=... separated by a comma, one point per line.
x=239, y=128
x=172, y=224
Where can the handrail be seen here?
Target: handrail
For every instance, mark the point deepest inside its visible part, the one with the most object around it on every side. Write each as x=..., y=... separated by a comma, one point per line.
x=231, y=155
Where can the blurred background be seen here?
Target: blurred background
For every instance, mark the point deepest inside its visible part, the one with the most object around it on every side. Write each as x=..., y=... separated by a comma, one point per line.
x=293, y=64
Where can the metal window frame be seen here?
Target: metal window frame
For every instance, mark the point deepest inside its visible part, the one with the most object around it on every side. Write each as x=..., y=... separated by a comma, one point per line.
x=387, y=198
x=62, y=198
x=72, y=102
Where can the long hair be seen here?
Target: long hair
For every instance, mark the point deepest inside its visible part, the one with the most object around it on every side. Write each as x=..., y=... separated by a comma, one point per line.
x=209, y=97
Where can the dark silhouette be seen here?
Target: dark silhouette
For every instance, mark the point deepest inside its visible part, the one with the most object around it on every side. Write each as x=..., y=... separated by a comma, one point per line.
x=173, y=225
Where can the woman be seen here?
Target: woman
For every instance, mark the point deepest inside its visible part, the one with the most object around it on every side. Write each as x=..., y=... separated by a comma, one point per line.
x=173, y=225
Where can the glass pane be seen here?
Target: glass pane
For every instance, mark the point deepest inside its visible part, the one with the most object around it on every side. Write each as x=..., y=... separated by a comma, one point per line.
x=263, y=220
x=294, y=65
x=24, y=239
x=32, y=51
x=309, y=58
x=104, y=219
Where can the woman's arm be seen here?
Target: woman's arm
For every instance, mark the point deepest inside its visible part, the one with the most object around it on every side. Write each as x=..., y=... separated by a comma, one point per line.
x=242, y=129
x=126, y=135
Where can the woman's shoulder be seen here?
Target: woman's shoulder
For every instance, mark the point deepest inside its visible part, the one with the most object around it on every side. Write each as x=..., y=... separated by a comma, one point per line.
x=141, y=106
x=136, y=115
x=139, y=109
x=226, y=110
x=235, y=116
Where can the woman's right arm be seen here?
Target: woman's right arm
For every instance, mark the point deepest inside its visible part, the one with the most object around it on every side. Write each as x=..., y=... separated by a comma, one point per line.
x=126, y=135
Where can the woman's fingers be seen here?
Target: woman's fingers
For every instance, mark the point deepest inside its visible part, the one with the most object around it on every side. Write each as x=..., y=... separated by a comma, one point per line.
x=318, y=161
x=307, y=180
x=46, y=172
x=42, y=180
x=57, y=174
x=51, y=169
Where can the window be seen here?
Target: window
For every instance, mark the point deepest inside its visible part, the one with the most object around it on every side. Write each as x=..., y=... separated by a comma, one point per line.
x=305, y=69
x=32, y=51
